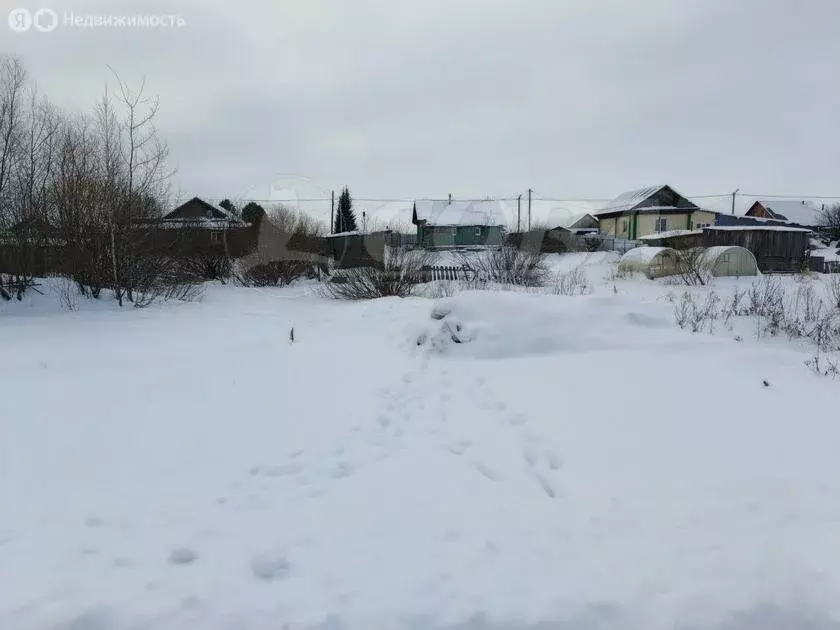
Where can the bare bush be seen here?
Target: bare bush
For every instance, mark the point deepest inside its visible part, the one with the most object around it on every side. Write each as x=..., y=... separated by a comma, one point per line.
x=441, y=289
x=764, y=296
x=277, y=273
x=696, y=316
x=692, y=267
x=800, y=315
x=618, y=273
x=593, y=243
x=833, y=289
x=735, y=306
x=399, y=276
x=572, y=282
x=509, y=265
x=68, y=294
x=822, y=365
x=287, y=249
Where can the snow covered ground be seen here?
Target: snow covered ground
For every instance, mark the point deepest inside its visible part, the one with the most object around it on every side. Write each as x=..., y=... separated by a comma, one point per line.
x=575, y=462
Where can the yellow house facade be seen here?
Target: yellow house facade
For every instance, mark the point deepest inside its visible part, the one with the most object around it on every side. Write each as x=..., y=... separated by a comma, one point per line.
x=636, y=224
x=651, y=210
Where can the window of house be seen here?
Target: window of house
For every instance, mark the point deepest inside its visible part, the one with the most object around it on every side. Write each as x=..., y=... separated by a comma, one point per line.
x=215, y=236
x=478, y=231
x=700, y=226
x=624, y=225
x=661, y=224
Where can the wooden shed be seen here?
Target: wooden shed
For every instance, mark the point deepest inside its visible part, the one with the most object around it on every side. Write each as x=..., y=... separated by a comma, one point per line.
x=777, y=249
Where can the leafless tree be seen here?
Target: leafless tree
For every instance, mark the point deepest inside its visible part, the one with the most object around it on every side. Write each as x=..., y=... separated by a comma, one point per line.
x=829, y=219
x=13, y=80
x=136, y=179
x=29, y=199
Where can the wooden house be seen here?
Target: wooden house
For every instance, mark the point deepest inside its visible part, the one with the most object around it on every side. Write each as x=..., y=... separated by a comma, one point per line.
x=650, y=210
x=203, y=228
x=447, y=224
x=791, y=211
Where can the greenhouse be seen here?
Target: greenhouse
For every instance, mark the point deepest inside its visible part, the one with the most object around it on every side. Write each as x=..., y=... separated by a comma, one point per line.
x=729, y=260
x=654, y=262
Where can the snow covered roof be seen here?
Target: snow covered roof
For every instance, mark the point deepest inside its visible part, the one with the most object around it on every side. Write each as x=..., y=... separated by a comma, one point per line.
x=198, y=224
x=566, y=218
x=668, y=234
x=800, y=212
x=445, y=213
x=645, y=254
x=630, y=199
x=712, y=253
x=737, y=228
x=212, y=215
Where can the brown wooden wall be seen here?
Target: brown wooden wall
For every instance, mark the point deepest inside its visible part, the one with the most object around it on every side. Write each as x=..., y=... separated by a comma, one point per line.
x=774, y=250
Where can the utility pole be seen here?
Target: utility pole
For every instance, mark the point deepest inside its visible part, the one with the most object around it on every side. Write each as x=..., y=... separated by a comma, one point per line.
x=529, y=209
x=734, y=194
x=450, y=199
x=332, y=212
x=519, y=213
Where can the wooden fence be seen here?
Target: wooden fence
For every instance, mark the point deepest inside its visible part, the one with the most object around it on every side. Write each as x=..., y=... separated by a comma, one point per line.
x=820, y=265
x=430, y=273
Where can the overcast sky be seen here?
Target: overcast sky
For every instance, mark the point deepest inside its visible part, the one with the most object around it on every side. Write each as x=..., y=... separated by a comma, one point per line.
x=417, y=98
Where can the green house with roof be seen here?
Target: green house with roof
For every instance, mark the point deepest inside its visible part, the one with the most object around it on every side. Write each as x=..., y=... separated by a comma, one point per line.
x=447, y=224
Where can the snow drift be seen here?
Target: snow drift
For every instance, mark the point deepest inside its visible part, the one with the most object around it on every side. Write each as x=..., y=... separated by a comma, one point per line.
x=188, y=467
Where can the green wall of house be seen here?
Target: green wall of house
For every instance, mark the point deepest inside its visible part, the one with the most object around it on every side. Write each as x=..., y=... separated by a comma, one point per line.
x=460, y=236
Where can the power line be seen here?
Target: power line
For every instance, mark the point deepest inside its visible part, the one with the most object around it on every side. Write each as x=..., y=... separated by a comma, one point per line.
x=797, y=197
x=566, y=200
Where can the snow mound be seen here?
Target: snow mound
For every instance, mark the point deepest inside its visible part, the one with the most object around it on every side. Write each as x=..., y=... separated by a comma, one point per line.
x=498, y=325
x=271, y=566
x=183, y=555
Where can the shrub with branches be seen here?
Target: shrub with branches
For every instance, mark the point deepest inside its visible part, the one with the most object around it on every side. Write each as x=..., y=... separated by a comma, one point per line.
x=509, y=265
x=289, y=247
x=695, y=315
x=572, y=282
x=398, y=276
x=765, y=296
x=593, y=243
x=833, y=289
x=692, y=267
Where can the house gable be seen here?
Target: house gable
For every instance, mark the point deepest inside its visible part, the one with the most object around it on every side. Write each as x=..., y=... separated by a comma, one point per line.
x=758, y=210
x=666, y=197
x=788, y=210
x=651, y=199
x=196, y=209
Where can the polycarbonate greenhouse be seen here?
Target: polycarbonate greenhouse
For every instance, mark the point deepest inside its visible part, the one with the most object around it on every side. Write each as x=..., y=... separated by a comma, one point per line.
x=729, y=260
x=654, y=262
